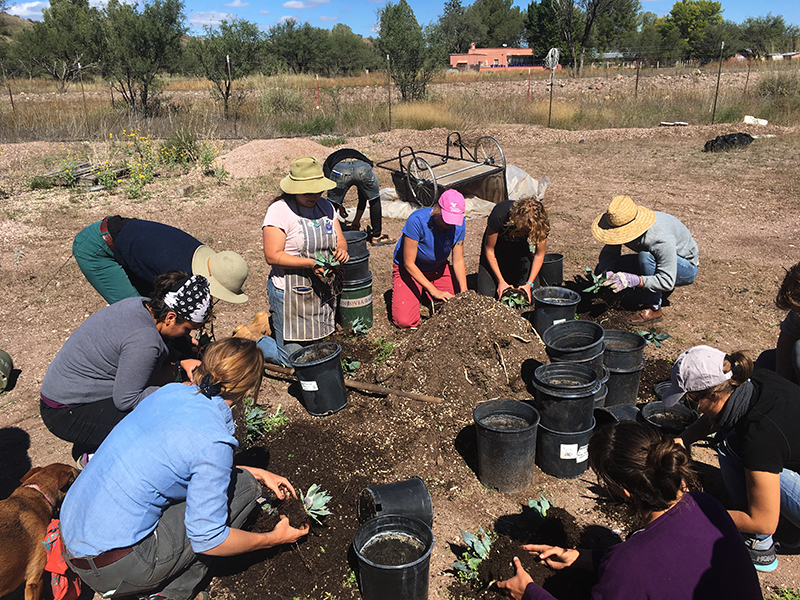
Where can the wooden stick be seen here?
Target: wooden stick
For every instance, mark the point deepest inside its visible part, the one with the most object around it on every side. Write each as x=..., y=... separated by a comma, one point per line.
x=372, y=388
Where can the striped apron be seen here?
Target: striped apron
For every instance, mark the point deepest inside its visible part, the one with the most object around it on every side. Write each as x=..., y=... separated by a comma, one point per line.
x=309, y=304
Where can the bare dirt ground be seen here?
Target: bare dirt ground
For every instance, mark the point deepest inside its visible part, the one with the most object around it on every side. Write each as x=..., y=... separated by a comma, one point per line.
x=741, y=206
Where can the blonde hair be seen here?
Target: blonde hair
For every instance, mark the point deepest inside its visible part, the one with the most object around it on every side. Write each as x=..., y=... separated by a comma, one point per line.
x=529, y=213
x=236, y=364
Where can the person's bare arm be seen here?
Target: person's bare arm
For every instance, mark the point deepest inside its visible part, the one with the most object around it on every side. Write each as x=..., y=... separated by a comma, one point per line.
x=459, y=267
x=340, y=253
x=410, y=248
x=275, y=250
x=240, y=541
x=763, y=503
x=536, y=266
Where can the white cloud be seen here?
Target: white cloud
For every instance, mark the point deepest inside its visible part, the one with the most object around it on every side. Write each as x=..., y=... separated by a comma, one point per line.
x=263, y=12
x=28, y=10
x=237, y=4
x=329, y=19
x=285, y=18
x=304, y=4
x=211, y=18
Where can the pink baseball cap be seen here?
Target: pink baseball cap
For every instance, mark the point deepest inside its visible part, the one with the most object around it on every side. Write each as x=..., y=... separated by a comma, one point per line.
x=452, y=204
x=697, y=369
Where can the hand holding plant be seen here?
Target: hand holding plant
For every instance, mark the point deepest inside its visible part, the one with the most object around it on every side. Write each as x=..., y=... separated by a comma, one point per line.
x=596, y=282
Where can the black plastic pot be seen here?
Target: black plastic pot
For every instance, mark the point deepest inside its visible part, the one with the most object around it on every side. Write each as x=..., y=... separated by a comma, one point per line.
x=553, y=305
x=672, y=420
x=552, y=271
x=356, y=244
x=356, y=269
x=612, y=414
x=565, y=395
x=506, y=432
x=410, y=498
x=624, y=350
x=600, y=397
x=623, y=386
x=563, y=454
x=319, y=371
x=576, y=341
x=393, y=554
x=661, y=388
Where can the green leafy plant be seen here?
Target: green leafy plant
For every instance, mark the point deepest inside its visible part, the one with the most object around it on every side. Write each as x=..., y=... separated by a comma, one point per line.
x=350, y=366
x=595, y=281
x=37, y=182
x=541, y=506
x=260, y=422
x=315, y=501
x=332, y=140
x=359, y=326
x=654, y=337
x=327, y=263
x=478, y=547
x=786, y=594
x=514, y=298
x=384, y=351
x=180, y=148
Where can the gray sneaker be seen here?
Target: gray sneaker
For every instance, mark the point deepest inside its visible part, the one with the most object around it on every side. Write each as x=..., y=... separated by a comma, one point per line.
x=763, y=560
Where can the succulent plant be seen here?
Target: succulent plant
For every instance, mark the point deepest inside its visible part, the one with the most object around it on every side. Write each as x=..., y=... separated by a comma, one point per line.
x=359, y=326
x=478, y=547
x=654, y=336
x=326, y=262
x=315, y=501
x=514, y=298
x=540, y=506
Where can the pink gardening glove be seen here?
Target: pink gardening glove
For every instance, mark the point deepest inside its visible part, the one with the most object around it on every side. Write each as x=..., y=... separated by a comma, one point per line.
x=620, y=281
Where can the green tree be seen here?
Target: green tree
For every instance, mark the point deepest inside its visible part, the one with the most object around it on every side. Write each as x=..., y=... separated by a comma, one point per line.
x=225, y=54
x=577, y=19
x=65, y=41
x=615, y=26
x=401, y=39
x=541, y=27
x=504, y=22
x=348, y=53
x=453, y=33
x=691, y=17
x=138, y=46
x=765, y=35
x=301, y=48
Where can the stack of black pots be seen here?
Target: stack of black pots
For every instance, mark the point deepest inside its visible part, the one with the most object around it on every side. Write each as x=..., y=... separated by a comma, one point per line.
x=624, y=359
x=355, y=303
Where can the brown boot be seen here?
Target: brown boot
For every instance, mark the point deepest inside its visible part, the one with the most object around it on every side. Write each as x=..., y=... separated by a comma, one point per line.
x=243, y=331
x=260, y=324
x=646, y=315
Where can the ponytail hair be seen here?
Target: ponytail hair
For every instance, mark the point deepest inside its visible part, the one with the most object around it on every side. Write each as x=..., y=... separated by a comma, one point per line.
x=740, y=365
x=233, y=368
x=650, y=466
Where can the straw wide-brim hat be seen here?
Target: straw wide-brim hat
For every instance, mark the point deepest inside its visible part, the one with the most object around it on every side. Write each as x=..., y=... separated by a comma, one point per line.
x=306, y=177
x=623, y=222
x=225, y=271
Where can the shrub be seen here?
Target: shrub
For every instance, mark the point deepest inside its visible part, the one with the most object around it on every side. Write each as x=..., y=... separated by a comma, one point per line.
x=785, y=85
x=281, y=102
x=37, y=182
x=180, y=148
x=316, y=126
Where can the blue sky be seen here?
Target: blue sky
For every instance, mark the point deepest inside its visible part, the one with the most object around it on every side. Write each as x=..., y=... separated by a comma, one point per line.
x=361, y=15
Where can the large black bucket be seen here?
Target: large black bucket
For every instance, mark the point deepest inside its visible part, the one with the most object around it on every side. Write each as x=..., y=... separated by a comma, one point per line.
x=672, y=420
x=623, y=386
x=394, y=556
x=319, y=371
x=612, y=414
x=410, y=498
x=577, y=342
x=624, y=350
x=563, y=454
x=356, y=244
x=552, y=271
x=356, y=269
x=506, y=432
x=565, y=394
x=553, y=305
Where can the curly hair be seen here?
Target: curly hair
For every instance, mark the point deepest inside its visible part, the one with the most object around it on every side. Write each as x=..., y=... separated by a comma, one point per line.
x=650, y=466
x=788, y=297
x=528, y=214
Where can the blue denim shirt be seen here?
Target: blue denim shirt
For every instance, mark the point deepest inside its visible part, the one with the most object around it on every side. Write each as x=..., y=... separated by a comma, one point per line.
x=176, y=445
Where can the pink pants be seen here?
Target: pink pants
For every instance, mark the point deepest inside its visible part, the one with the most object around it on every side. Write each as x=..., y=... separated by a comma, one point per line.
x=407, y=293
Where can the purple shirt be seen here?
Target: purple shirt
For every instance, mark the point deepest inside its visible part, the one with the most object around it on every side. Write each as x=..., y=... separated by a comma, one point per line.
x=691, y=551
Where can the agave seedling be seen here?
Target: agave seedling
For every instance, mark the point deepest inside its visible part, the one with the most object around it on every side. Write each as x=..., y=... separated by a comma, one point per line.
x=359, y=326
x=350, y=365
x=326, y=262
x=315, y=501
x=541, y=506
x=596, y=281
x=653, y=336
x=514, y=298
x=478, y=547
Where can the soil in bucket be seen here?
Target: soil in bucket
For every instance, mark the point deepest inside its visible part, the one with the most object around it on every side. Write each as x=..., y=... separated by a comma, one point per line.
x=553, y=305
x=565, y=394
x=393, y=554
x=624, y=349
x=668, y=419
x=355, y=305
x=506, y=434
x=319, y=371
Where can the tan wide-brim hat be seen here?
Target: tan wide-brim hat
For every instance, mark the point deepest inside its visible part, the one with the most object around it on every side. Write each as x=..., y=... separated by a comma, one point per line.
x=623, y=222
x=306, y=177
x=225, y=271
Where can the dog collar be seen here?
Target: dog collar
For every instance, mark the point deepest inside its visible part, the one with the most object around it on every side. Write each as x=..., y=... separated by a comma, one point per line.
x=38, y=489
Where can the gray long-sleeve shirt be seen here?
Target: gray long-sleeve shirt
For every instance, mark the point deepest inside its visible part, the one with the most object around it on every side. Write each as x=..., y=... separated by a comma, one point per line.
x=666, y=240
x=112, y=354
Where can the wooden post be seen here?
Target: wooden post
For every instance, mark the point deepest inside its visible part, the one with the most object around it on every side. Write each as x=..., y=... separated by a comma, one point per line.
x=529, y=85
x=636, y=89
x=749, y=64
x=716, y=93
x=319, y=100
x=10, y=95
x=552, y=83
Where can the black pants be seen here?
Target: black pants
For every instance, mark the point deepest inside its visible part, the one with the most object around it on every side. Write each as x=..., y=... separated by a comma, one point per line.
x=85, y=425
x=515, y=272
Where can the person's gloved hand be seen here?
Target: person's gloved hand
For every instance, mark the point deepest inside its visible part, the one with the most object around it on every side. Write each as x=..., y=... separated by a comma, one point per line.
x=620, y=281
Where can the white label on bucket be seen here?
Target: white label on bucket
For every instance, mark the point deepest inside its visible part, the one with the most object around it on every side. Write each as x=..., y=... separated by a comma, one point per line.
x=583, y=454
x=569, y=451
x=355, y=302
x=309, y=386
x=557, y=321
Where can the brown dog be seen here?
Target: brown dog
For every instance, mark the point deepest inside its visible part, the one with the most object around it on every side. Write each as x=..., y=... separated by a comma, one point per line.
x=24, y=517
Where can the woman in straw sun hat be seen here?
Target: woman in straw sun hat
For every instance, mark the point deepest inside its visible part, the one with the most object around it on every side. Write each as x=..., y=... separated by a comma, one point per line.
x=666, y=254
x=298, y=226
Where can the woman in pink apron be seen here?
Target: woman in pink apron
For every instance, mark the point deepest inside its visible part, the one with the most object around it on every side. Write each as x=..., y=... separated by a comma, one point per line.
x=300, y=226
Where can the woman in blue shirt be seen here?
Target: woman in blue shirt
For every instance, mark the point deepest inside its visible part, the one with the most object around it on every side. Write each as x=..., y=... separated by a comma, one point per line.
x=421, y=258
x=161, y=495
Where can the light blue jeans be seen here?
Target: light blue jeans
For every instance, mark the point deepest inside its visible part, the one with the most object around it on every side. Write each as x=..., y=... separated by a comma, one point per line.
x=733, y=474
x=644, y=263
x=274, y=348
